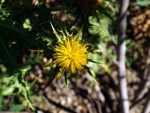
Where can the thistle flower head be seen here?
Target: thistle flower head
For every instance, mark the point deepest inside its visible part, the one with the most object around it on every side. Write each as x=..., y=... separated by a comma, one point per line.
x=70, y=53
x=89, y=4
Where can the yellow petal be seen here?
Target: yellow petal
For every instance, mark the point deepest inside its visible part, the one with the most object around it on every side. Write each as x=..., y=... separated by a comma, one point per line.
x=73, y=69
x=77, y=65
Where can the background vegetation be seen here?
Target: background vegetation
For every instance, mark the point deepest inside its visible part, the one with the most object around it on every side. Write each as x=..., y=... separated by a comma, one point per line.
x=28, y=82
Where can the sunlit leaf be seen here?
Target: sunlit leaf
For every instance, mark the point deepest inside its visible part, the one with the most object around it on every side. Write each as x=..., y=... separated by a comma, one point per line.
x=142, y=3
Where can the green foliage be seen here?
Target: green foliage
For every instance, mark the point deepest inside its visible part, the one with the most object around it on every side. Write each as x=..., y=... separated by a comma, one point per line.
x=25, y=28
x=101, y=39
x=143, y=3
x=16, y=84
x=1, y=100
x=17, y=107
x=22, y=28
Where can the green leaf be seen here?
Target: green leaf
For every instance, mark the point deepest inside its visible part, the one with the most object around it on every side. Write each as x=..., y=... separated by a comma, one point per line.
x=142, y=3
x=17, y=107
x=106, y=67
x=90, y=73
x=8, y=91
x=30, y=61
x=93, y=61
x=2, y=1
x=38, y=59
x=7, y=80
x=27, y=25
x=95, y=66
x=103, y=11
x=1, y=100
x=25, y=68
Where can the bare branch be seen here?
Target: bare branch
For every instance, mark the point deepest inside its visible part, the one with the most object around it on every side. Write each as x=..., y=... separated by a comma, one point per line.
x=122, y=26
x=146, y=108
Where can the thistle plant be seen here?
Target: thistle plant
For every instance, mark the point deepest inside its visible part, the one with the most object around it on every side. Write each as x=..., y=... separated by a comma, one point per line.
x=70, y=53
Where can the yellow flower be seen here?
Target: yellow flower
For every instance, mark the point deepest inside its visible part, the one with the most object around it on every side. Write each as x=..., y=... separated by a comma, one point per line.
x=71, y=55
x=89, y=4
